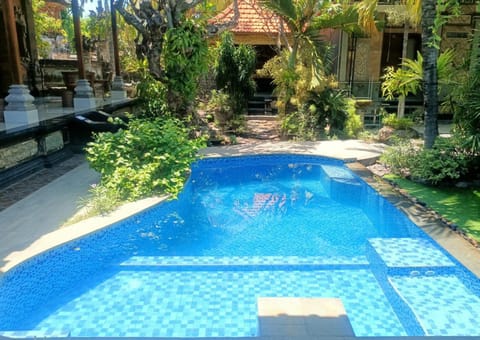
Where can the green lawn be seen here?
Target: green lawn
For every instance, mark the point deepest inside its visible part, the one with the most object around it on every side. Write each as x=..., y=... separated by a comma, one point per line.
x=460, y=206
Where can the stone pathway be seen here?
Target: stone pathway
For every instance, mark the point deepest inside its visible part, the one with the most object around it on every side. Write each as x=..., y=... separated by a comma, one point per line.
x=260, y=128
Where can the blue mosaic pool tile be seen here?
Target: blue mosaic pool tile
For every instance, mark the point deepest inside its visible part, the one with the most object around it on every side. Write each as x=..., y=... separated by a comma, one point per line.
x=338, y=172
x=442, y=304
x=35, y=334
x=175, y=261
x=206, y=303
x=409, y=252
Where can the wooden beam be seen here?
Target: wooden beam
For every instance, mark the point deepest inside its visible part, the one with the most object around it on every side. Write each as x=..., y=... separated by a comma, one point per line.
x=12, y=40
x=116, y=55
x=78, y=39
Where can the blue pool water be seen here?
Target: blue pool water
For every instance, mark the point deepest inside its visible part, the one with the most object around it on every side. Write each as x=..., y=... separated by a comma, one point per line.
x=244, y=228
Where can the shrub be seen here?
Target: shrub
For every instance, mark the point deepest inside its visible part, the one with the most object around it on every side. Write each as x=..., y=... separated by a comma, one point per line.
x=234, y=71
x=301, y=124
x=444, y=162
x=353, y=123
x=330, y=109
x=219, y=105
x=399, y=157
x=185, y=54
x=396, y=123
x=152, y=97
x=149, y=157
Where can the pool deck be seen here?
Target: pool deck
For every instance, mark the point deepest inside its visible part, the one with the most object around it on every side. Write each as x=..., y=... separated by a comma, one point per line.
x=34, y=224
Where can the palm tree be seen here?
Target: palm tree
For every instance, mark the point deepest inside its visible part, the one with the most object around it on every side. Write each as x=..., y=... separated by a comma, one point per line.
x=430, y=15
x=430, y=79
x=305, y=18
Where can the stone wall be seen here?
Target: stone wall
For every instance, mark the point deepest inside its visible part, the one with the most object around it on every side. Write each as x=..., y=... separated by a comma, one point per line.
x=17, y=153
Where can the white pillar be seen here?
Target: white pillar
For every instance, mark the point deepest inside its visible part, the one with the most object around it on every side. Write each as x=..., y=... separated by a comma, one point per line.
x=84, y=98
x=118, y=91
x=20, y=110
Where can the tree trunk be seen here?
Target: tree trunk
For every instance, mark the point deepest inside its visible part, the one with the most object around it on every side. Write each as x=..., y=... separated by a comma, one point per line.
x=430, y=83
x=401, y=99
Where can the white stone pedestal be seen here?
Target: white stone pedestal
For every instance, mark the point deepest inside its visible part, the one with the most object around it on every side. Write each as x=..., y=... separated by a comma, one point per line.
x=20, y=110
x=118, y=91
x=84, y=98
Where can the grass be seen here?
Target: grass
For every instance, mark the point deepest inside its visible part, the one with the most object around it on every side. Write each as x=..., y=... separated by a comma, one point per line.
x=458, y=205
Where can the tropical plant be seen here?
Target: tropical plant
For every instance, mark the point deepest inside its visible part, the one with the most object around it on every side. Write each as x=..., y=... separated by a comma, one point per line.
x=408, y=78
x=184, y=59
x=234, y=69
x=330, y=109
x=150, y=156
x=467, y=113
x=353, y=123
x=305, y=19
x=432, y=14
x=152, y=20
x=152, y=97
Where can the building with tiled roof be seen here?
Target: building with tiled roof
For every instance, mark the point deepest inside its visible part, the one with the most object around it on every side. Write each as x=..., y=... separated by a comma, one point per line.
x=256, y=25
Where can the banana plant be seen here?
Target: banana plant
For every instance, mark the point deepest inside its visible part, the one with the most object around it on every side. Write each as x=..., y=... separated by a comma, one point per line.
x=408, y=78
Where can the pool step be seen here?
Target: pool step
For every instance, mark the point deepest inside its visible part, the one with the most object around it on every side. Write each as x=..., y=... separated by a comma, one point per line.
x=297, y=317
x=409, y=256
x=452, y=314
x=240, y=262
x=341, y=185
x=398, y=261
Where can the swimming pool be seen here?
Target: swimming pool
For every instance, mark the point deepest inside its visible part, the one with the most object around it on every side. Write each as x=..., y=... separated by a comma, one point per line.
x=245, y=227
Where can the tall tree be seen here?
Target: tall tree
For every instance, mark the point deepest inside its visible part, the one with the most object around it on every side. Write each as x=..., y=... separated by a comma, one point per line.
x=152, y=19
x=401, y=15
x=304, y=20
x=430, y=79
x=433, y=14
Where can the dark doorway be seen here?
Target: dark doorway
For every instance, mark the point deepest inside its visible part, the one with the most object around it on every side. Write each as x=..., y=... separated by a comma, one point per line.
x=392, y=48
x=264, y=54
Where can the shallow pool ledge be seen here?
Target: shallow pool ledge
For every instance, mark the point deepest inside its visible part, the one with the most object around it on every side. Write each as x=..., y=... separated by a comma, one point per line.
x=345, y=150
x=303, y=317
x=77, y=230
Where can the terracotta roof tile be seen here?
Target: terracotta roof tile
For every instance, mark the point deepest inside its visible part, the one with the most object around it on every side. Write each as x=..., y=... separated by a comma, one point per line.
x=253, y=18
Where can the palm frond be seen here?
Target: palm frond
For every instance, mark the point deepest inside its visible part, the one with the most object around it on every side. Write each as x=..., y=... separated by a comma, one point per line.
x=414, y=9
x=338, y=17
x=283, y=8
x=366, y=15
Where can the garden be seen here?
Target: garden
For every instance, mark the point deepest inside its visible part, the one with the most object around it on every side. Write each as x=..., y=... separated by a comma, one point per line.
x=152, y=151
